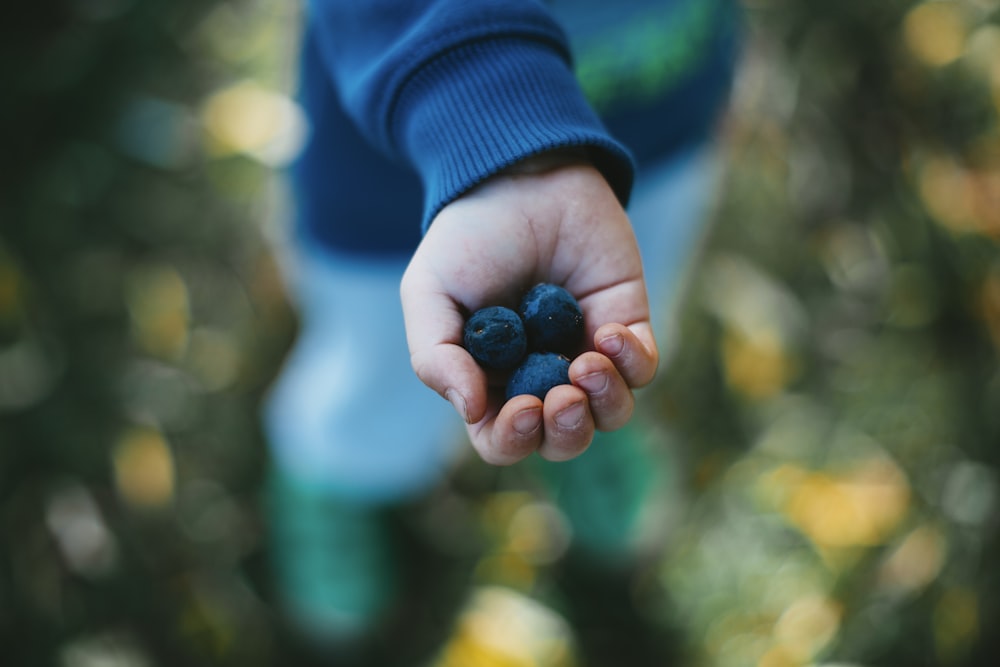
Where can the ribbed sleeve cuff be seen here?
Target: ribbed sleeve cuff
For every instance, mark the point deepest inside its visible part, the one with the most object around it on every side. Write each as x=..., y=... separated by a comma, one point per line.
x=484, y=106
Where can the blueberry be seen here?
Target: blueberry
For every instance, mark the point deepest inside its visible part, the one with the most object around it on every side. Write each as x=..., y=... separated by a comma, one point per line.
x=495, y=337
x=539, y=372
x=552, y=319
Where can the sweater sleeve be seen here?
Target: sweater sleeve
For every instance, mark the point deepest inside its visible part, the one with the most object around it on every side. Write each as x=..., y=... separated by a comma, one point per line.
x=461, y=89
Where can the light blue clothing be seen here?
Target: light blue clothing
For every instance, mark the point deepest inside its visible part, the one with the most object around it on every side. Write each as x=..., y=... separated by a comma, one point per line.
x=349, y=416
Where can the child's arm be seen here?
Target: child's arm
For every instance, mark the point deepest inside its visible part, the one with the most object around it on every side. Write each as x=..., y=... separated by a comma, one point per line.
x=461, y=91
x=558, y=223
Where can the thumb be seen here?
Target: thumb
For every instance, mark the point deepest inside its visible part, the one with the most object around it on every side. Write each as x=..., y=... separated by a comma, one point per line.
x=434, y=324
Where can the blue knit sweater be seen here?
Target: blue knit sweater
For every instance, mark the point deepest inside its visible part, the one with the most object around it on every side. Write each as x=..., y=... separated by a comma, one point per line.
x=457, y=90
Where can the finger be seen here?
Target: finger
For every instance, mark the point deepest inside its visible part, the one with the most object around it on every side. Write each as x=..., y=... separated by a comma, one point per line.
x=569, y=426
x=625, y=302
x=632, y=350
x=510, y=435
x=610, y=398
x=452, y=373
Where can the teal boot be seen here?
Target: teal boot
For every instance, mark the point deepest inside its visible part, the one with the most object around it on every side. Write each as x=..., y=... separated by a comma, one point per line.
x=619, y=499
x=616, y=495
x=332, y=562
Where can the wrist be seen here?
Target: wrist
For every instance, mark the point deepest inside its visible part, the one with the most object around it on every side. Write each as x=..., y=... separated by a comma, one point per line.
x=550, y=160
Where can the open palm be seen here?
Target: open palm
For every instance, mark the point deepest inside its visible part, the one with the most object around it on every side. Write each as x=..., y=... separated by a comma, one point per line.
x=562, y=225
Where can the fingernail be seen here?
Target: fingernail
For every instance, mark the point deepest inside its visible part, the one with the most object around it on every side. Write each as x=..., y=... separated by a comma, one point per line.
x=613, y=345
x=594, y=383
x=571, y=416
x=458, y=401
x=526, y=421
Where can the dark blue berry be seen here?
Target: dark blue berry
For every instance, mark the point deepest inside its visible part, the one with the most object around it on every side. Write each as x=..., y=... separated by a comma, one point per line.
x=539, y=372
x=552, y=319
x=495, y=337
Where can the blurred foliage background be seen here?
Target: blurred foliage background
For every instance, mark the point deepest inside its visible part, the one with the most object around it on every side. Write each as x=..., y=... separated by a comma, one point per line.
x=835, y=394
x=141, y=317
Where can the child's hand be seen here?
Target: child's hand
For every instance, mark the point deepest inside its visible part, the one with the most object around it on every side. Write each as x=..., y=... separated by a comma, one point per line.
x=557, y=223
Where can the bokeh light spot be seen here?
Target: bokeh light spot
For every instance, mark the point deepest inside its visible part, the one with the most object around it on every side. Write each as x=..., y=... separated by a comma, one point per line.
x=144, y=468
x=935, y=32
x=857, y=508
x=157, y=299
x=807, y=626
x=916, y=562
x=250, y=119
x=502, y=628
